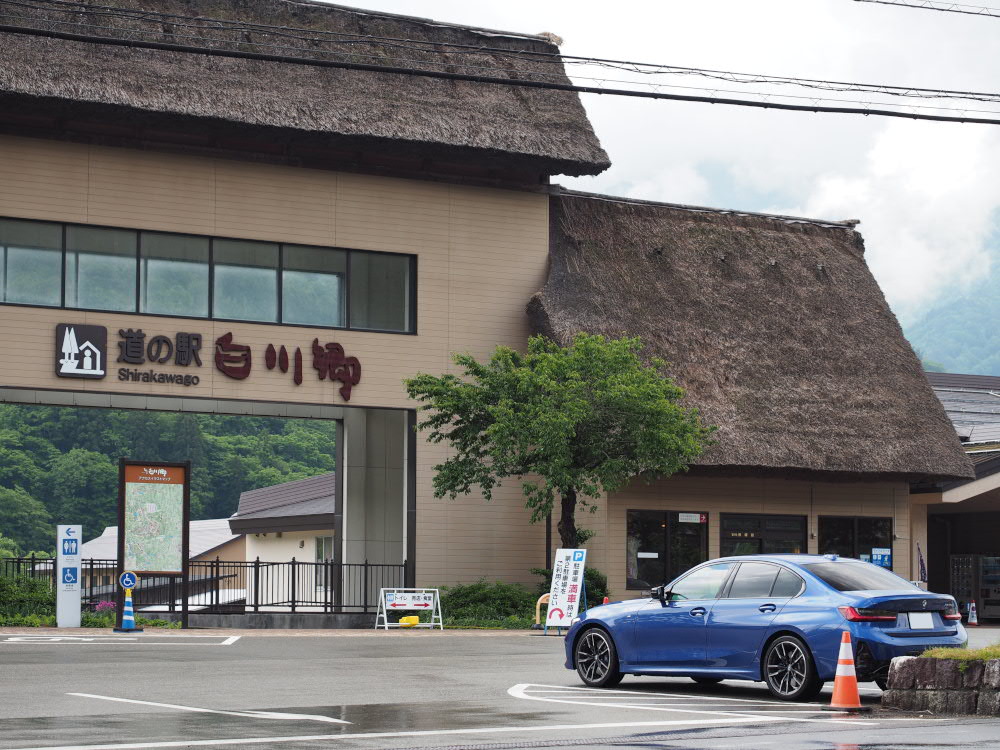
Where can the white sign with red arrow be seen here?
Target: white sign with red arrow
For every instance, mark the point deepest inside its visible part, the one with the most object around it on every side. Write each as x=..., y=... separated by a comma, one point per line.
x=409, y=600
x=567, y=587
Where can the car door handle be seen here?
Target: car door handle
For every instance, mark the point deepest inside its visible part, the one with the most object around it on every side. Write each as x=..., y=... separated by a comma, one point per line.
x=767, y=608
x=698, y=611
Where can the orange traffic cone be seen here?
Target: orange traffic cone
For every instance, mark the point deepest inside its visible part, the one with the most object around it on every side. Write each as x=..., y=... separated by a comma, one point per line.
x=973, y=615
x=845, y=685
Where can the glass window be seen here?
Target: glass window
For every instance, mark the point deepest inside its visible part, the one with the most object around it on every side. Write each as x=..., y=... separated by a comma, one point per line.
x=173, y=274
x=850, y=536
x=312, y=286
x=836, y=536
x=753, y=580
x=744, y=534
x=380, y=292
x=703, y=583
x=246, y=280
x=30, y=262
x=100, y=268
x=787, y=585
x=660, y=545
x=855, y=576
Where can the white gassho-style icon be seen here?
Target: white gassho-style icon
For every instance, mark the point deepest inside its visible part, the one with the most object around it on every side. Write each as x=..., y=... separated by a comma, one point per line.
x=80, y=359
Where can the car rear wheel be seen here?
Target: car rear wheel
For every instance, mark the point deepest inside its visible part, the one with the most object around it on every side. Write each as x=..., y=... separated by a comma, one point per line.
x=597, y=659
x=789, y=671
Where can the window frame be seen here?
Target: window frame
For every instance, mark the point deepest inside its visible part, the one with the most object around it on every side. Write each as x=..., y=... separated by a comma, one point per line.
x=412, y=287
x=668, y=551
x=855, y=535
x=764, y=533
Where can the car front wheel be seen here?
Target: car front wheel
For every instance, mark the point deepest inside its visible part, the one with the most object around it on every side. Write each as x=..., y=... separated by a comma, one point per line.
x=789, y=671
x=597, y=659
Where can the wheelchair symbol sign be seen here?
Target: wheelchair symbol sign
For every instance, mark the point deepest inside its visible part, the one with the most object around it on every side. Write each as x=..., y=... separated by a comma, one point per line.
x=70, y=575
x=128, y=580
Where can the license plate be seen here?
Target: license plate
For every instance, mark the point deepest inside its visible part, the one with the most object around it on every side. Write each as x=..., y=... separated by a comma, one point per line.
x=921, y=620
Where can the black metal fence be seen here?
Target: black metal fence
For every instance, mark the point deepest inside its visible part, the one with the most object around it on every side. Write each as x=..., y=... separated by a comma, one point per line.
x=231, y=587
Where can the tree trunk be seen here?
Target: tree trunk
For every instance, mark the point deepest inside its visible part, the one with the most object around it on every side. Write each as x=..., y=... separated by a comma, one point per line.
x=567, y=521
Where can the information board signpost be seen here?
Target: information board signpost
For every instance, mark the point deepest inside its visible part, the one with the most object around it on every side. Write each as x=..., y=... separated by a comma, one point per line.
x=68, y=543
x=567, y=590
x=408, y=600
x=154, y=508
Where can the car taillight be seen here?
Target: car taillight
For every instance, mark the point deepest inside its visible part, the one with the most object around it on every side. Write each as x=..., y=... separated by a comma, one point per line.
x=951, y=613
x=867, y=614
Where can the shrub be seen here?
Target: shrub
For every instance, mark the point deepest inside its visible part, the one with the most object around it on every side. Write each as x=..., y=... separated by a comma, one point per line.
x=486, y=601
x=595, y=581
x=22, y=595
x=27, y=621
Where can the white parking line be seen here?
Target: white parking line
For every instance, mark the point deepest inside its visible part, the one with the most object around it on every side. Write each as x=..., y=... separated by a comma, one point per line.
x=103, y=640
x=197, y=709
x=522, y=691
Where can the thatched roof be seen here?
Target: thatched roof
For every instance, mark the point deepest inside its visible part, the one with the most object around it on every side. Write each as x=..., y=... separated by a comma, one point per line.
x=774, y=326
x=544, y=131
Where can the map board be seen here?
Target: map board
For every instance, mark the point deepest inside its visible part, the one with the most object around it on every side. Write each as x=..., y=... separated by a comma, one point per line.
x=153, y=512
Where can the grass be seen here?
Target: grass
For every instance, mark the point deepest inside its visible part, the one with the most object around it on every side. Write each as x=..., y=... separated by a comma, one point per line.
x=964, y=654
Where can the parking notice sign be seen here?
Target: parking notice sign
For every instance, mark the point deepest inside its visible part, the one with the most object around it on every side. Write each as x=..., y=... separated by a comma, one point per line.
x=567, y=587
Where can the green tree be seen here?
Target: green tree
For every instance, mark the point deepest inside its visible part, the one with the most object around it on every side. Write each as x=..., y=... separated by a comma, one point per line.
x=570, y=422
x=84, y=487
x=25, y=520
x=8, y=547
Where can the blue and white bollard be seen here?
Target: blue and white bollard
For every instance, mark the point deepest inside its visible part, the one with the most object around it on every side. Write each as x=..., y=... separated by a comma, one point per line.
x=128, y=616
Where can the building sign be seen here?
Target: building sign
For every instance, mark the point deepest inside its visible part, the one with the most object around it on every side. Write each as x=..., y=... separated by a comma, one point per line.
x=882, y=556
x=81, y=352
x=692, y=517
x=153, y=512
x=567, y=587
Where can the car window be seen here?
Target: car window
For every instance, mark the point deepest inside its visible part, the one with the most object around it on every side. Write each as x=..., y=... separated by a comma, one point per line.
x=787, y=585
x=753, y=580
x=858, y=576
x=703, y=583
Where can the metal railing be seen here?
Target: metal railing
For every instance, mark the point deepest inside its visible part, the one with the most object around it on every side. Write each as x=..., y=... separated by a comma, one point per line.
x=232, y=586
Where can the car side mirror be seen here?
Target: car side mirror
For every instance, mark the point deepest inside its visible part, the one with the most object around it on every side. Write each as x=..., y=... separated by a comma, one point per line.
x=660, y=593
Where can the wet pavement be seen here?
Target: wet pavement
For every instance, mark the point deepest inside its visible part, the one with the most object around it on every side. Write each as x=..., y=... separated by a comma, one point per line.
x=404, y=690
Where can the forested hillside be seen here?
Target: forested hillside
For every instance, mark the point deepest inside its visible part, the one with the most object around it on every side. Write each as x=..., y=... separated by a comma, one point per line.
x=60, y=465
x=961, y=334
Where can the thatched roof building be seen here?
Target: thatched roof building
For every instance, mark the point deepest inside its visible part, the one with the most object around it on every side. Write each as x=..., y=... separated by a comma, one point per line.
x=268, y=76
x=774, y=326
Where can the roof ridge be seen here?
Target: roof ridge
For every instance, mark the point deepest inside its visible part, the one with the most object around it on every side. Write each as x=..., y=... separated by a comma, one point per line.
x=845, y=224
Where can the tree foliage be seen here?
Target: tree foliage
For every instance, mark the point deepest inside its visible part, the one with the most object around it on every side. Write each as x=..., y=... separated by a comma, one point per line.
x=569, y=422
x=60, y=465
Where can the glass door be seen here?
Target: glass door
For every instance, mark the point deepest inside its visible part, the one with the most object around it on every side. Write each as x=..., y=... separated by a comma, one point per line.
x=660, y=545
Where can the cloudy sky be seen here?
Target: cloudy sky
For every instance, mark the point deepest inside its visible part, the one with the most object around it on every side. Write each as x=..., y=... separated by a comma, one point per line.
x=927, y=194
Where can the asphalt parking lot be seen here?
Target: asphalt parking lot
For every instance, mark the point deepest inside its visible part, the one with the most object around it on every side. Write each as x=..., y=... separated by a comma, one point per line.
x=352, y=689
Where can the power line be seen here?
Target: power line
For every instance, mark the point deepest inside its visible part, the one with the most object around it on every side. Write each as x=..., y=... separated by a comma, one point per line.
x=972, y=10
x=515, y=75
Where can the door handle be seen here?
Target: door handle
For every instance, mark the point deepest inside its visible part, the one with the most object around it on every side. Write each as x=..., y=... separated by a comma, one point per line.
x=698, y=611
x=767, y=608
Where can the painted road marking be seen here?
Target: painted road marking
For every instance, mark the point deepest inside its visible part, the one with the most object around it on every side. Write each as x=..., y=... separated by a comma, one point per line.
x=523, y=691
x=377, y=735
x=102, y=640
x=196, y=709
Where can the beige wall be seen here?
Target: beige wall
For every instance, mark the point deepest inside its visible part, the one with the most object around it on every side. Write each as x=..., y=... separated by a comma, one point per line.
x=747, y=495
x=234, y=550
x=481, y=254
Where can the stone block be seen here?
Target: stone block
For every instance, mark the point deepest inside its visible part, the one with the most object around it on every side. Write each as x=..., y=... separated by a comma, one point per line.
x=991, y=674
x=901, y=699
x=901, y=672
x=947, y=675
x=989, y=702
x=972, y=675
x=936, y=700
x=925, y=674
x=961, y=702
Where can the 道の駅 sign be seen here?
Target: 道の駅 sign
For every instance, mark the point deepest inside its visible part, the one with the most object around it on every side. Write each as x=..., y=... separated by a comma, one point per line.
x=567, y=587
x=153, y=509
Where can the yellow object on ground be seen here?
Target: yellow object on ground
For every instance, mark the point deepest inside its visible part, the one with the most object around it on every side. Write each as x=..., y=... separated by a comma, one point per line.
x=409, y=621
x=543, y=599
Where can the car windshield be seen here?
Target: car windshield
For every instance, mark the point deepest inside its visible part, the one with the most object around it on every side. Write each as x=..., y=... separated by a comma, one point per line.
x=845, y=576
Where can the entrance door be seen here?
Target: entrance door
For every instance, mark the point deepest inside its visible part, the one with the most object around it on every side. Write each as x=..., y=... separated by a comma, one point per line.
x=674, y=634
x=324, y=554
x=663, y=544
x=745, y=534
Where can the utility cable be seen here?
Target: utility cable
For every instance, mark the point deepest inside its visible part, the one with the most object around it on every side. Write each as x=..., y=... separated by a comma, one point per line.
x=971, y=10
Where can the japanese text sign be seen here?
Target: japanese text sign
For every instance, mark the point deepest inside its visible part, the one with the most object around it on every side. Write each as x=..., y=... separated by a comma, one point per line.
x=567, y=587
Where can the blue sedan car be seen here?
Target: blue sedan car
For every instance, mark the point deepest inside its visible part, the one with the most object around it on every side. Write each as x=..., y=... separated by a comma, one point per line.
x=775, y=618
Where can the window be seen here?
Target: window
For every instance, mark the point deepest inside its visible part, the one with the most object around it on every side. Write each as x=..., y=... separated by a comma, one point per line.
x=380, y=291
x=660, y=545
x=787, y=585
x=853, y=576
x=850, y=536
x=193, y=276
x=762, y=534
x=101, y=268
x=246, y=281
x=173, y=276
x=703, y=583
x=312, y=283
x=753, y=581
